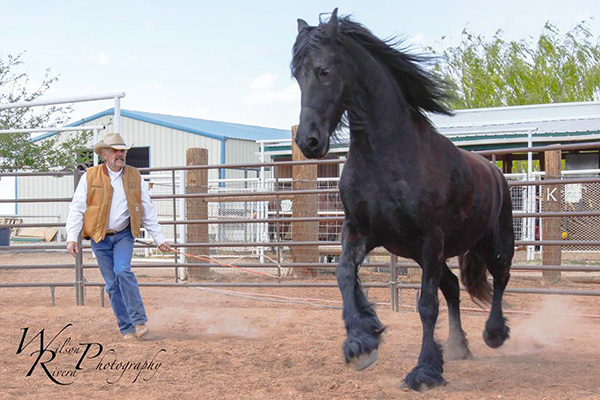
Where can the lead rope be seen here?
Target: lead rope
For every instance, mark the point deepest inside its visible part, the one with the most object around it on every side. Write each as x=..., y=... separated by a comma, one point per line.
x=213, y=261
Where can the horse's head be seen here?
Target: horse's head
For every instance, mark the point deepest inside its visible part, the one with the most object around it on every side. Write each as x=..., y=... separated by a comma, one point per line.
x=318, y=72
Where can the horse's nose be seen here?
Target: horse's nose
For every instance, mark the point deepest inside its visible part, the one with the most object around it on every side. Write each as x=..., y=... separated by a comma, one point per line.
x=313, y=143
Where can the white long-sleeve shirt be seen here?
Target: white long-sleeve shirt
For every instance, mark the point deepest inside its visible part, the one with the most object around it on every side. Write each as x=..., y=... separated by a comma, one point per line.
x=119, y=212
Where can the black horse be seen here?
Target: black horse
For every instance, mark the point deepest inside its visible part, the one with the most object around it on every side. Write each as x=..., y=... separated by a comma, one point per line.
x=404, y=187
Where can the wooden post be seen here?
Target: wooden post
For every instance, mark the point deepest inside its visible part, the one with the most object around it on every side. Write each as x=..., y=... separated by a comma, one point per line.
x=304, y=178
x=507, y=161
x=197, y=182
x=551, y=229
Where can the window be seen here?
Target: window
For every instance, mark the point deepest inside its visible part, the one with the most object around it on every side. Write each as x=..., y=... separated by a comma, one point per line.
x=139, y=157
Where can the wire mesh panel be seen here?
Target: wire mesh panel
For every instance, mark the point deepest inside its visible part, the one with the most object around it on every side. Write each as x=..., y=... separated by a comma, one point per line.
x=580, y=197
x=280, y=208
x=518, y=195
x=231, y=209
x=161, y=183
x=330, y=205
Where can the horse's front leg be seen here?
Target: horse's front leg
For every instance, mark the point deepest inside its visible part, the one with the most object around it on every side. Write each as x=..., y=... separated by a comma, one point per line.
x=428, y=372
x=362, y=325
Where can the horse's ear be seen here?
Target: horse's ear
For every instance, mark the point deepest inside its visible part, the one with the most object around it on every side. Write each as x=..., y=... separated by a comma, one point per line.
x=332, y=25
x=333, y=15
x=333, y=20
x=301, y=25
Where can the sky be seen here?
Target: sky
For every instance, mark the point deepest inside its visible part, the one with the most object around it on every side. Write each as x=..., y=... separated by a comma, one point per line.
x=229, y=60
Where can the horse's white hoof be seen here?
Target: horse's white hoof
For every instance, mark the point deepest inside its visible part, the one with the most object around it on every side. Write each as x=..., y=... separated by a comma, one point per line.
x=365, y=360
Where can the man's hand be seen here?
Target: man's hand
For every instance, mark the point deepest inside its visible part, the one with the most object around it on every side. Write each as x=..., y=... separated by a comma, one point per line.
x=72, y=247
x=164, y=247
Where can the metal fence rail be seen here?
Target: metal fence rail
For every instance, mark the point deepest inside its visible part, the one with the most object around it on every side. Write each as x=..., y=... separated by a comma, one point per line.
x=393, y=266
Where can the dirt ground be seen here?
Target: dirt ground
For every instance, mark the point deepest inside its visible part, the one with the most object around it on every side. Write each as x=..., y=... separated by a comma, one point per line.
x=225, y=344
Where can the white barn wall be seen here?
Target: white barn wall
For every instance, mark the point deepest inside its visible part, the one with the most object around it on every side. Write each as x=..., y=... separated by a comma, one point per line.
x=239, y=151
x=44, y=187
x=172, y=143
x=50, y=187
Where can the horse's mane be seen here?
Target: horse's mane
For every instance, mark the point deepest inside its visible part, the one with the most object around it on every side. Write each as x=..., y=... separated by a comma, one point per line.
x=422, y=90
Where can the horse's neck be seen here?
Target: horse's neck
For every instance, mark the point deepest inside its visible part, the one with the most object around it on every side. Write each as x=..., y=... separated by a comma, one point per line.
x=384, y=123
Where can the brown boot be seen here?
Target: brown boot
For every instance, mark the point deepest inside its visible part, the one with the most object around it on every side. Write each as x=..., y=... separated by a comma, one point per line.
x=141, y=330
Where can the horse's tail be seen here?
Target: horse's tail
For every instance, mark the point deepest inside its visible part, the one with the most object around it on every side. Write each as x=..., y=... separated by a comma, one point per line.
x=473, y=274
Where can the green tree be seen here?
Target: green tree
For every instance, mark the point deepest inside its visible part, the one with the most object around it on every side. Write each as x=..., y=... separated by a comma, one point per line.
x=17, y=150
x=496, y=72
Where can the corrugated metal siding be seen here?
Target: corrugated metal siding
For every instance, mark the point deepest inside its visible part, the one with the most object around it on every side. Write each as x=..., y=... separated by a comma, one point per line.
x=44, y=187
x=240, y=152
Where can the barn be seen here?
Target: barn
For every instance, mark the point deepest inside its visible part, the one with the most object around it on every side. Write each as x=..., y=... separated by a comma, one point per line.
x=157, y=140
x=498, y=128
x=504, y=128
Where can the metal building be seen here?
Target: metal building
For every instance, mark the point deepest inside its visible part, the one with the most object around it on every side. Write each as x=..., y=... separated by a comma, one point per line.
x=157, y=140
x=507, y=128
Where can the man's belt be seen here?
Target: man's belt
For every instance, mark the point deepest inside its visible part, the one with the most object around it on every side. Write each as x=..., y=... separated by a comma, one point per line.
x=111, y=232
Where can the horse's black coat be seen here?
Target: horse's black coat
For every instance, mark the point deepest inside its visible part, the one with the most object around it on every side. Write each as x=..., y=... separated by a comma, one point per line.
x=404, y=186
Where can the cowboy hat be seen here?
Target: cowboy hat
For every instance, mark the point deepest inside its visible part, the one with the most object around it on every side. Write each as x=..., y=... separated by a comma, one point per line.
x=111, y=141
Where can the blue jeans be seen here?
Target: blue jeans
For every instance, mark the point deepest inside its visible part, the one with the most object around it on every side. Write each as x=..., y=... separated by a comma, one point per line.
x=114, y=260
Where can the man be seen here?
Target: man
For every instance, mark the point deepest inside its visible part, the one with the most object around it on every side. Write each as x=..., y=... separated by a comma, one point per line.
x=111, y=203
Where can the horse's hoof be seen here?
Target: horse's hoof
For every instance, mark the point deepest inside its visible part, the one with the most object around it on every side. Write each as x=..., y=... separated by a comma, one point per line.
x=495, y=338
x=364, y=360
x=423, y=377
x=457, y=353
x=457, y=348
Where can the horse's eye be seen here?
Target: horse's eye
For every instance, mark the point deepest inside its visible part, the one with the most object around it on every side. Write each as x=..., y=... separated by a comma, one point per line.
x=321, y=72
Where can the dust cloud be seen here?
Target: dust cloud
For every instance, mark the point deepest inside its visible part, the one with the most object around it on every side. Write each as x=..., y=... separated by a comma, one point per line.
x=180, y=322
x=554, y=321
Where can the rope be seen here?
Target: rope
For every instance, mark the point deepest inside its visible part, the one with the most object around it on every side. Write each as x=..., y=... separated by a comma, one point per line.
x=283, y=272
x=311, y=301
x=214, y=261
x=270, y=299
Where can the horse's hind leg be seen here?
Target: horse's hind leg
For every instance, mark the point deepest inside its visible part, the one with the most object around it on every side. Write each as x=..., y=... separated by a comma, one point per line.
x=496, y=330
x=457, y=346
x=498, y=256
x=362, y=325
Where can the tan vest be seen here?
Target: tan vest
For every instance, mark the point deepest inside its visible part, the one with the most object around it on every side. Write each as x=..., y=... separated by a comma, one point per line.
x=99, y=199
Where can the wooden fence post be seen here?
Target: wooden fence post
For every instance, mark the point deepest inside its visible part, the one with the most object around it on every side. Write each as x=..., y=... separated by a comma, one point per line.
x=551, y=227
x=197, y=182
x=304, y=178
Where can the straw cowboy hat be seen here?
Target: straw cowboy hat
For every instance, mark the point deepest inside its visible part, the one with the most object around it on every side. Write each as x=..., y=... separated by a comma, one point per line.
x=111, y=141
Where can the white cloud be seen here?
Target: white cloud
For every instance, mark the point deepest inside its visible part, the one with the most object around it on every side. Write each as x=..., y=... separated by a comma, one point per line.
x=134, y=57
x=264, y=90
x=100, y=58
x=265, y=81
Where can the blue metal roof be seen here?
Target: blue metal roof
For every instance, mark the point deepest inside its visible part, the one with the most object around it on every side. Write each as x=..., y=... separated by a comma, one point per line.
x=213, y=129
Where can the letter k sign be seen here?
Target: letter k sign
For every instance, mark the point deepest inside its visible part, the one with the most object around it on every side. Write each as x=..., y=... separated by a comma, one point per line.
x=550, y=195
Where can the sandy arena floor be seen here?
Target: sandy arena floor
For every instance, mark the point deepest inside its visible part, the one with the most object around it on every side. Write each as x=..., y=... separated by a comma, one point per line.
x=210, y=345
